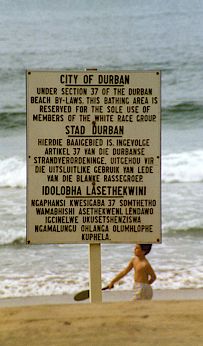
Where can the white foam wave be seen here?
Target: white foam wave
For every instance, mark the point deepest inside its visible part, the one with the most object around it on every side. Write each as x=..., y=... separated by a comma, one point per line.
x=24, y=285
x=12, y=237
x=183, y=167
x=12, y=172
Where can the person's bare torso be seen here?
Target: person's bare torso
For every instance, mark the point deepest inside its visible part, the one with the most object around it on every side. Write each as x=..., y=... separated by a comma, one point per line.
x=140, y=274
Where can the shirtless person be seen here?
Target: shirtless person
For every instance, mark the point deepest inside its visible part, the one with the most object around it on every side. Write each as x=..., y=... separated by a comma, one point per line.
x=144, y=275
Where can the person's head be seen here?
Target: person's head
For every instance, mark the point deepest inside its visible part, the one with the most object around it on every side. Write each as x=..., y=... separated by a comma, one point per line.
x=142, y=249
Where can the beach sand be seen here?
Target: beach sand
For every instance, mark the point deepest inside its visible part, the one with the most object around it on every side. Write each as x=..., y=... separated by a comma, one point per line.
x=53, y=322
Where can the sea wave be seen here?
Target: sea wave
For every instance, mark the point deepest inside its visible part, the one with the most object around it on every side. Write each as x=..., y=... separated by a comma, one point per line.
x=190, y=111
x=12, y=172
x=182, y=167
x=12, y=119
x=12, y=235
x=193, y=232
x=15, y=241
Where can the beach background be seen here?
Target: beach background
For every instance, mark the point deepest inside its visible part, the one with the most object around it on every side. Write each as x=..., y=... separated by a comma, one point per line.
x=107, y=35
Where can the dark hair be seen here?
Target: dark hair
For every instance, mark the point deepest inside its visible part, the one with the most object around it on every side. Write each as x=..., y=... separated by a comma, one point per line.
x=146, y=248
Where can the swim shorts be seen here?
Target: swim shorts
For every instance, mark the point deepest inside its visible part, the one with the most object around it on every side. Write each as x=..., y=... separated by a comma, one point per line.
x=142, y=291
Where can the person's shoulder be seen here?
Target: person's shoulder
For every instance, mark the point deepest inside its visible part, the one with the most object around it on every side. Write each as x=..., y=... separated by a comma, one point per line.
x=134, y=259
x=147, y=263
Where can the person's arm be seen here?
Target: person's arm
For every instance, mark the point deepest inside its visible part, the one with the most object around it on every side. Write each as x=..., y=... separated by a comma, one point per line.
x=120, y=275
x=151, y=273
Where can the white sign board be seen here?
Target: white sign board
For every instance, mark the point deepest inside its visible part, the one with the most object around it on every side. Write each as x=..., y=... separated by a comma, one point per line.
x=93, y=157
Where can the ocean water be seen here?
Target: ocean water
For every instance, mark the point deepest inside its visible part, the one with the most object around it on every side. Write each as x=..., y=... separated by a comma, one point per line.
x=107, y=35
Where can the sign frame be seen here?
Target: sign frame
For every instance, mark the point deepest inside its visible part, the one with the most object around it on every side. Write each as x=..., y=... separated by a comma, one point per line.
x=108, y=99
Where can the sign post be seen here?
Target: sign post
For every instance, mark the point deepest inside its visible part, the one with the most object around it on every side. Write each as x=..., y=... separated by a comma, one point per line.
x=95, y=273
x=93, y=158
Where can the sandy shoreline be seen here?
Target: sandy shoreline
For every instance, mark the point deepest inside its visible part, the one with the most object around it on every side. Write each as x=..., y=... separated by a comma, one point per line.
x=58, y=321
x=120, y=323
x=108, y=296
